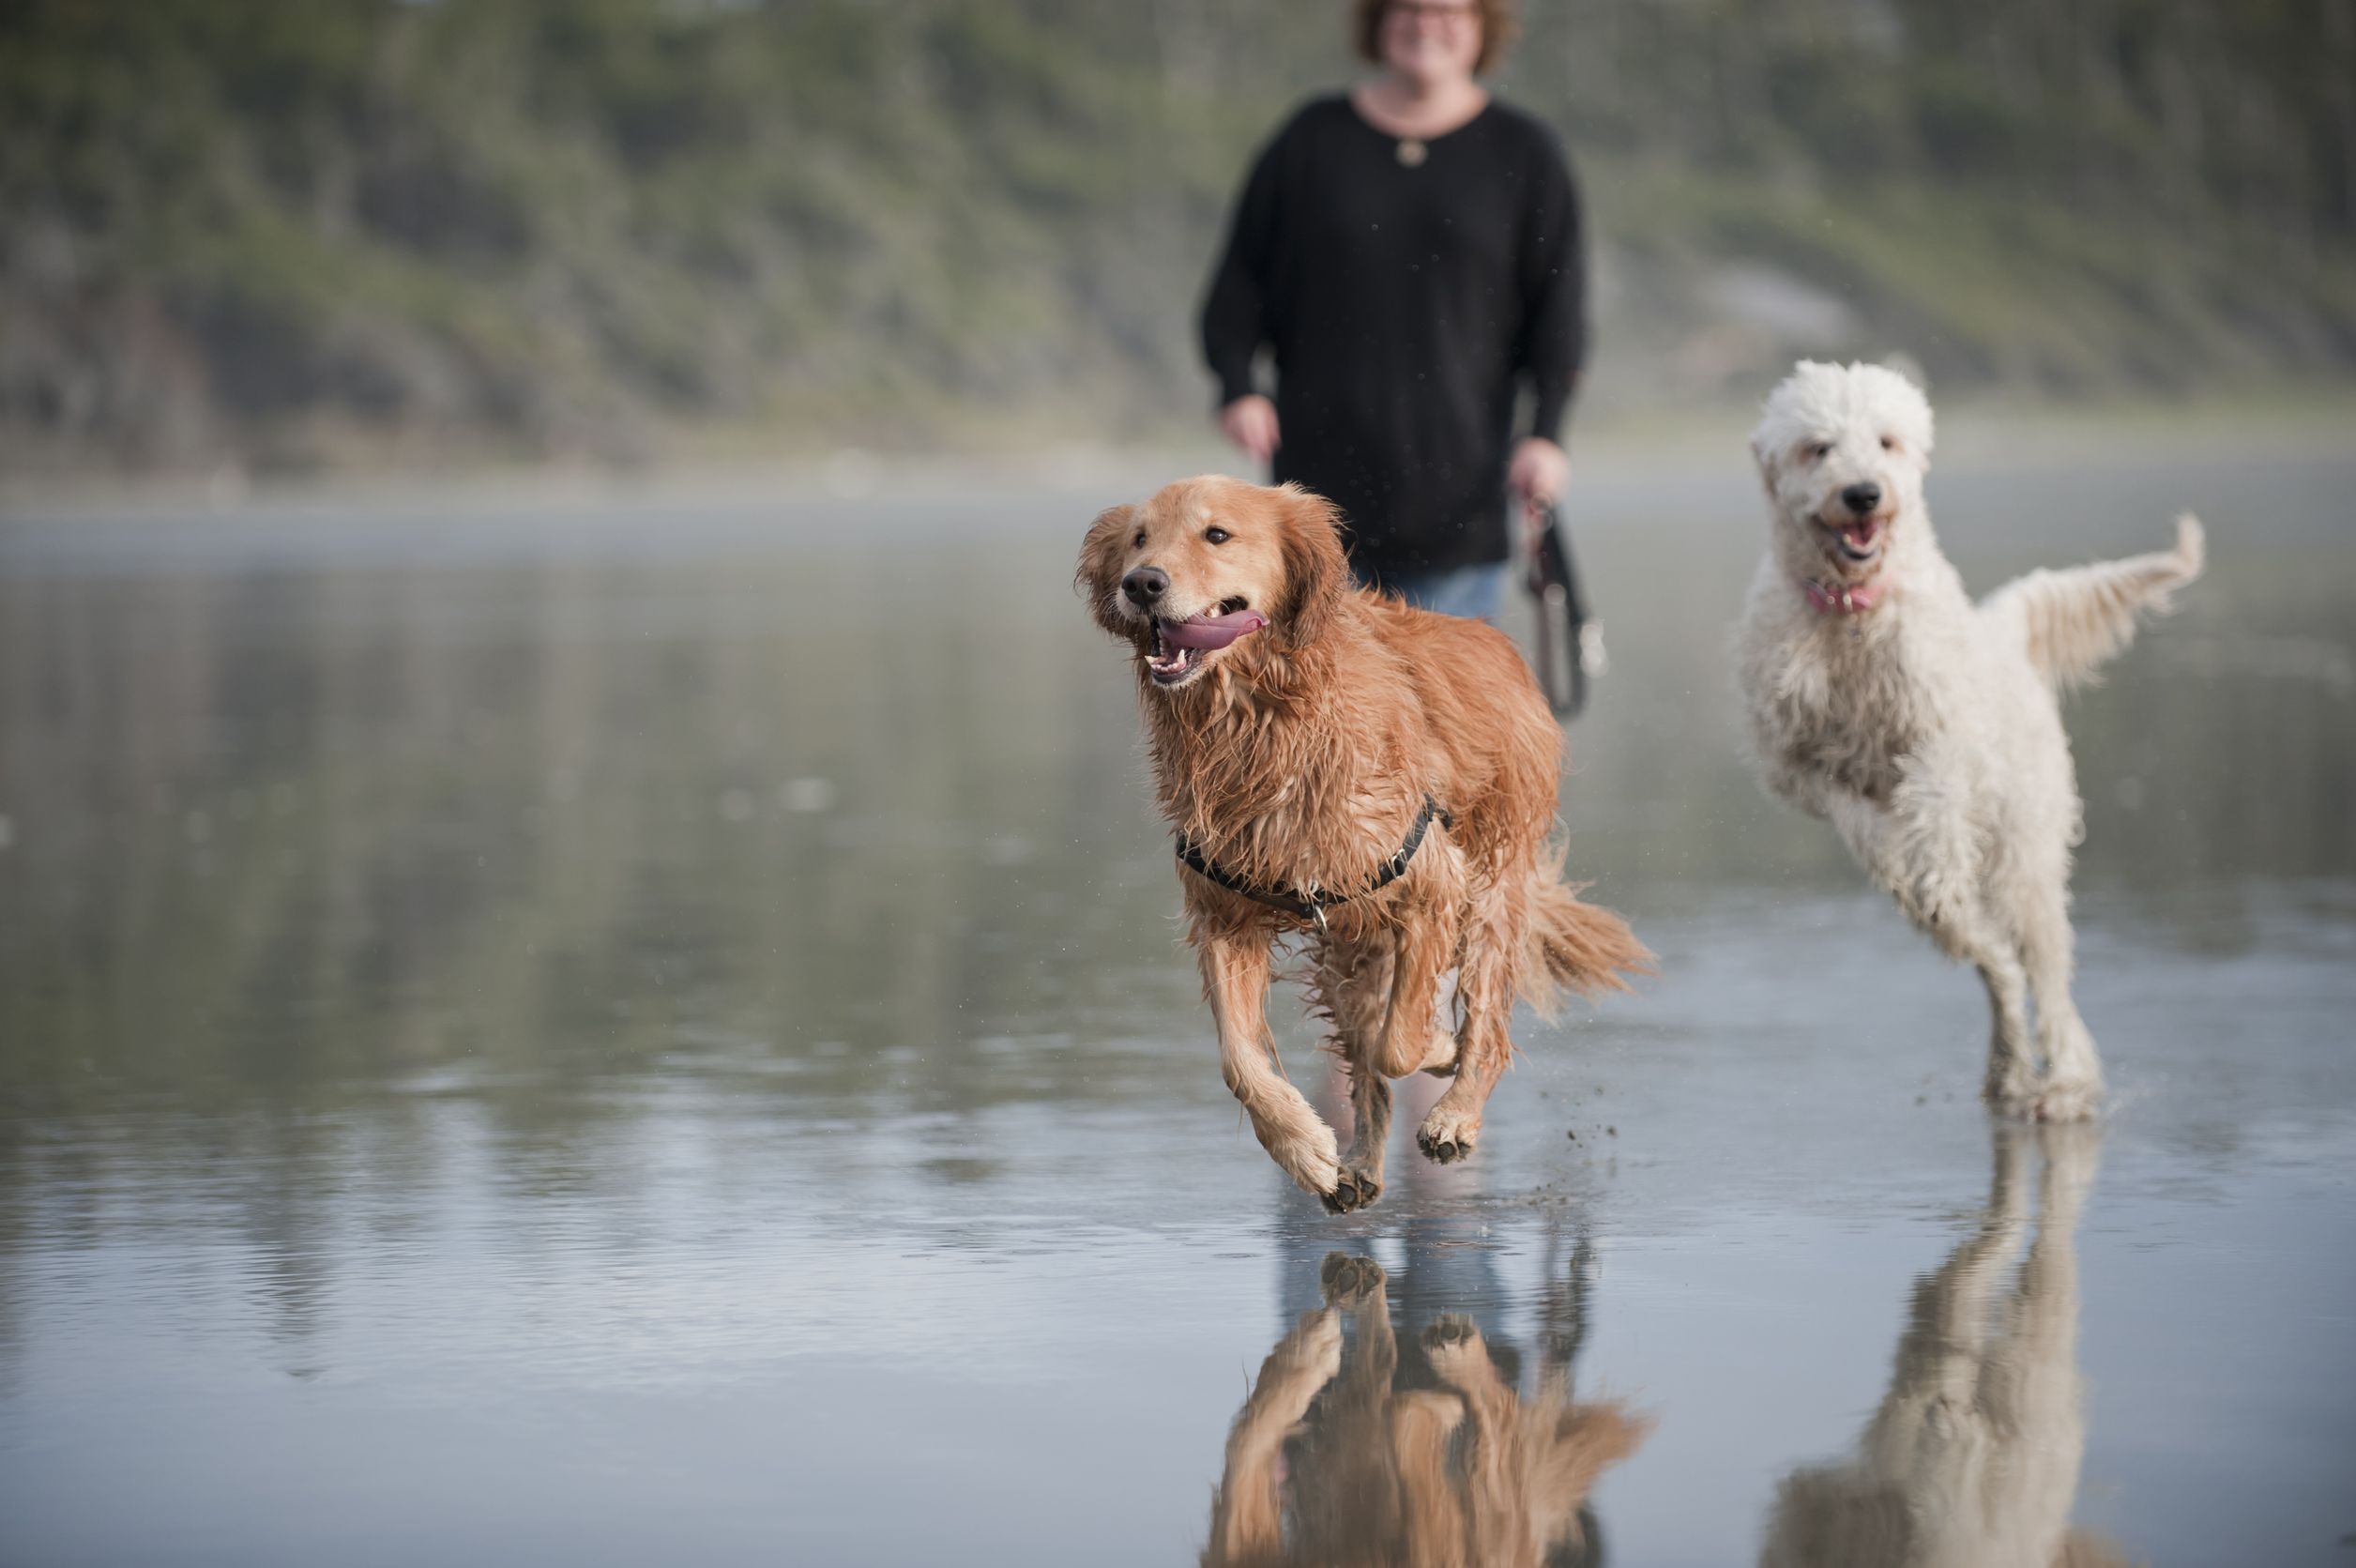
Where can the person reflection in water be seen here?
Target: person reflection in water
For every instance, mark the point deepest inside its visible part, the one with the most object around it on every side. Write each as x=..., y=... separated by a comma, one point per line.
x=1338, y=1457
x=1973, y=1460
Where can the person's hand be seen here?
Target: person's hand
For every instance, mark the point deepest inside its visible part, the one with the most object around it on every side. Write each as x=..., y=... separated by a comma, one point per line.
x=1250, y=422
x=1538, y=473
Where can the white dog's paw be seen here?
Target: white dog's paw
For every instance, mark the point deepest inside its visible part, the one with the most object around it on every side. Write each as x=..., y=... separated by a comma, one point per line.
x=2011, y=1088
x=2064, y=1100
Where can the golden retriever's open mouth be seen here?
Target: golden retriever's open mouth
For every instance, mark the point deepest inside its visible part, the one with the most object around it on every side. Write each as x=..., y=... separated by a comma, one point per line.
x=1180, y=647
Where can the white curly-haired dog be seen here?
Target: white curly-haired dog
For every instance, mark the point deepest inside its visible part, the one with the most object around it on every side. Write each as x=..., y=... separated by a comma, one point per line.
x=1924, y=728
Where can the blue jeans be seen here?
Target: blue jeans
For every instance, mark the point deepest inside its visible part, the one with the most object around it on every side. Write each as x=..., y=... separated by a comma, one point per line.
x=1474, y=593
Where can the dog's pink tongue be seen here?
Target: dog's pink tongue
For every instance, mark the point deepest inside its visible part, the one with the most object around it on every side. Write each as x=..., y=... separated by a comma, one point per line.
x=1208, y=631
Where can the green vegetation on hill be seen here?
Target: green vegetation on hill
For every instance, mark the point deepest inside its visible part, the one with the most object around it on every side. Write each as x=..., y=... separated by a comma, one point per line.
x=366, y=229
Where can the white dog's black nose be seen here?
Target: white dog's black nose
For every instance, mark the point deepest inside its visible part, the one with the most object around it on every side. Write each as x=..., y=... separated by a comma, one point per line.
x=1145, y=584
x=1862, y=498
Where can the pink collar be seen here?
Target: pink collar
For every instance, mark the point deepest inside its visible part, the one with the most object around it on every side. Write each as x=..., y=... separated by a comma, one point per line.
x=1840, y=599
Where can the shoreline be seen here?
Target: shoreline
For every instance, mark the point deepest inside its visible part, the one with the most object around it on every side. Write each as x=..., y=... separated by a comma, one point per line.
x=1972, y=436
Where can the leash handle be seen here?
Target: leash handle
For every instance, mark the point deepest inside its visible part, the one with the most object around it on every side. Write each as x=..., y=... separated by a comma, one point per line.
x=1554, y=583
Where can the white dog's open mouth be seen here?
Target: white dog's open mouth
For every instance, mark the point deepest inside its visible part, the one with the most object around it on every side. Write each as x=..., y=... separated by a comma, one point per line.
x=1180, y=649
x=1859, y=539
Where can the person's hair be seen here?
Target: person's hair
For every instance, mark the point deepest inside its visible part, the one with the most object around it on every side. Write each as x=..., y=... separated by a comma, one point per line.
x=1499, y=28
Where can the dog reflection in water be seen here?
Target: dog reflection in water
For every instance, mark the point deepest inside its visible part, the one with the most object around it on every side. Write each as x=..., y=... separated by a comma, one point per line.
x=1973, y=1460
x=1330, y=1463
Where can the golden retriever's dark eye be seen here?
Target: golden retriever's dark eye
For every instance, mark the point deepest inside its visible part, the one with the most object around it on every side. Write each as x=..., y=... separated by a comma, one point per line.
x=1217, y=536
x=1889, y=443
x=1139, y=541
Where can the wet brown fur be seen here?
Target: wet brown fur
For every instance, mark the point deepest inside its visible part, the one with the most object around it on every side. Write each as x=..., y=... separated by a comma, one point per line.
x=1469, y=1472
x=1301, y=755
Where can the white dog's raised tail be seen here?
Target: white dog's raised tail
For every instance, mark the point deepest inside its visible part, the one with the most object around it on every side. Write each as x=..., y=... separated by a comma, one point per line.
x=2075, y=619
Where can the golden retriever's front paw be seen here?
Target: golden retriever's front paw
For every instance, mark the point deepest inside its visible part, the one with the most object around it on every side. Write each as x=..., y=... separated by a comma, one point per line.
x=1448, y=1135
x=1314, y=1161
x=1352, y=1190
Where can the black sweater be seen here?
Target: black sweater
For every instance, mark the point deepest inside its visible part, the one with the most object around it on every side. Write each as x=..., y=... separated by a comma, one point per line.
x=1404, y=306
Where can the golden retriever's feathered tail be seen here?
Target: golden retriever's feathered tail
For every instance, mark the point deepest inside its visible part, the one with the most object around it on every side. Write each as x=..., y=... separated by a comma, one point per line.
x=2075, y=618
x=1573, y=945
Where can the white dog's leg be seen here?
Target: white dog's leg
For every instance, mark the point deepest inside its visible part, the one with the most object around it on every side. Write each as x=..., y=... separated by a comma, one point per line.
x=1911, y=853
x=1937, y=845
x=1922, y=852
x=2012, y=1078
x=1969, y=934
x=1863, y=828
x=1235, y=977
x=2074, y=1070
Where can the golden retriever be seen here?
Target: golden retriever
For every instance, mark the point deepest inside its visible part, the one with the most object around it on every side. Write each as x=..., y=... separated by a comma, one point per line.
x=1377, y=779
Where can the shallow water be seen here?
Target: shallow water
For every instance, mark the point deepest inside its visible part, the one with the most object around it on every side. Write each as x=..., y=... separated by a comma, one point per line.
x=657, y=1032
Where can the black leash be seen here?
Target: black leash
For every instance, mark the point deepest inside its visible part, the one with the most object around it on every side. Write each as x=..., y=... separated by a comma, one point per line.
x=1313, y=904
x=1554, y=582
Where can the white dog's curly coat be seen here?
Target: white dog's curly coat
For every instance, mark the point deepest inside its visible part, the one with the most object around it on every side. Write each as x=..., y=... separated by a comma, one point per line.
x=1924, y=728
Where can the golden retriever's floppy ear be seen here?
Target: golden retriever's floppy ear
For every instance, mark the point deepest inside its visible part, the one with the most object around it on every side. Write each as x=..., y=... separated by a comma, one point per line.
x=1101, y=553
x=1316, y=572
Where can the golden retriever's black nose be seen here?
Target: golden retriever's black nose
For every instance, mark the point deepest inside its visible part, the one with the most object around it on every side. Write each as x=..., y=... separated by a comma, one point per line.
x=1862, y=498
x=1145, y=584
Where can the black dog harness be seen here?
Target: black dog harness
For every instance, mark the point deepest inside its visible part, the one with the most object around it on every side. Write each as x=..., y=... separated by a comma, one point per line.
x=1313, y=903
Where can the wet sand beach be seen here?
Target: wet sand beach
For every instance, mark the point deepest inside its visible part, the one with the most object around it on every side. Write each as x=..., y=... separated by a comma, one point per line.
x=641, y=1031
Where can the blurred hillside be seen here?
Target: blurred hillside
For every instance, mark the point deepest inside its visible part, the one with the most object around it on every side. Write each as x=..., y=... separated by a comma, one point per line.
x=310, y=232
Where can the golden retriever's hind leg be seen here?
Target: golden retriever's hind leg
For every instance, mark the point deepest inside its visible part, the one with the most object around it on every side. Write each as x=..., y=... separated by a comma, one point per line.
x=1360, y=1182
x=1399, y=1042
x=1484, y=988
x=1411, y=1037
x=1235, y=977
x=1352, y=985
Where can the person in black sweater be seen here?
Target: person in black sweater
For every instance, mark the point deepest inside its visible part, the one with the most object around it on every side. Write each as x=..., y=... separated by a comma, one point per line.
x=1411, y=254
